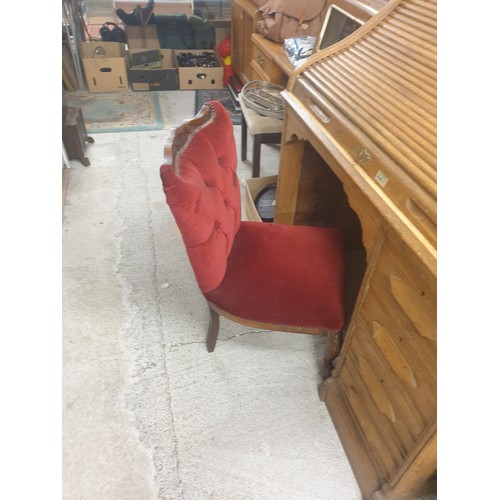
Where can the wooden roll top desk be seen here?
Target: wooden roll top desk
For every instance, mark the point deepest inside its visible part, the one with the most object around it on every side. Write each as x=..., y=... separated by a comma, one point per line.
x=359, y=152
x=255, y=57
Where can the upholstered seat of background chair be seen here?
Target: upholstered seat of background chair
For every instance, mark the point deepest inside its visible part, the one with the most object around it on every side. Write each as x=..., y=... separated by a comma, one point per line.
x=265, y=275
x=263, y=129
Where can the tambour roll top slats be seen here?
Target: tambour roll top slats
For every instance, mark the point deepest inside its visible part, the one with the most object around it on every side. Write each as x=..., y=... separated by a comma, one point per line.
x=378, y=4
x=384, y=84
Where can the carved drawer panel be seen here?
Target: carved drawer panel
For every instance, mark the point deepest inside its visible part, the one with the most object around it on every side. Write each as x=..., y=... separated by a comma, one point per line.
x=388, y=374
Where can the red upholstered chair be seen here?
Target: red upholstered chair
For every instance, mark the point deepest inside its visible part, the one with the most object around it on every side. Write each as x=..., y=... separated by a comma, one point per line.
x=264, y=275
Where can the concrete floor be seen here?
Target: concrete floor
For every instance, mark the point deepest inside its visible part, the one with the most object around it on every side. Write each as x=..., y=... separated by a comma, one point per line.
x=148, y=413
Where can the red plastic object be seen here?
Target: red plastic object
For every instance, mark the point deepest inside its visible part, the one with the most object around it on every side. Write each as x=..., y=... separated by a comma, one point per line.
x=228, y=72
x=225, y=47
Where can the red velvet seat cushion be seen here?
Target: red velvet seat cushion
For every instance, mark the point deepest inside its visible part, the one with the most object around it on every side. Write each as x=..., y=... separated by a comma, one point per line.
x=285, y=275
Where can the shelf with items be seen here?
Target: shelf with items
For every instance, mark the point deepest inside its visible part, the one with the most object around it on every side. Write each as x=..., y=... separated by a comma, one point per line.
x=72, y=36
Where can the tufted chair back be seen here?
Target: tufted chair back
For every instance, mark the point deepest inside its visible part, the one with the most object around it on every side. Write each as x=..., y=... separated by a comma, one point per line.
x=203, y=192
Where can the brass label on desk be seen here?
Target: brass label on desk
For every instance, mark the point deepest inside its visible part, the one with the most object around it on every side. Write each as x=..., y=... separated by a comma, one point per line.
x=381, y=178
x=361, y=153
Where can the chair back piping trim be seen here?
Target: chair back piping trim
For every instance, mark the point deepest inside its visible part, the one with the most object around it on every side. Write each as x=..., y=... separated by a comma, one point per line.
x=189, y=138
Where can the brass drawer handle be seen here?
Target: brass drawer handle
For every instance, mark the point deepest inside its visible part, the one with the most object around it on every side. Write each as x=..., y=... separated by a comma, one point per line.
x=260, y=60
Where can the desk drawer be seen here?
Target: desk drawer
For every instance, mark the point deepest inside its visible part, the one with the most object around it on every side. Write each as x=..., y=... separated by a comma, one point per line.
x=266, y=68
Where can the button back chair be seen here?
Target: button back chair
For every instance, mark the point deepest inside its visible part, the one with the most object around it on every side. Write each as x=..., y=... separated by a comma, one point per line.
x=264, y=275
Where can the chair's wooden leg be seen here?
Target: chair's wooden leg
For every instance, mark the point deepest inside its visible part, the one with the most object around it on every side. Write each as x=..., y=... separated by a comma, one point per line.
x=213, y=329
x=333, y=344
x=243, y=138
x=257, y=143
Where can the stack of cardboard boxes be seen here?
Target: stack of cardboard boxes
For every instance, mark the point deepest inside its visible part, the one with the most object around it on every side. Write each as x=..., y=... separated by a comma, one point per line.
x=110, y=66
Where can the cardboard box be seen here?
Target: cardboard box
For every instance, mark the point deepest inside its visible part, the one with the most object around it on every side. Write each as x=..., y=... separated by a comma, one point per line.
x=105, y=66
x=164, y=78
x=253, y=187
x=142, y=37
x=145, y=59
x=199, y=77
